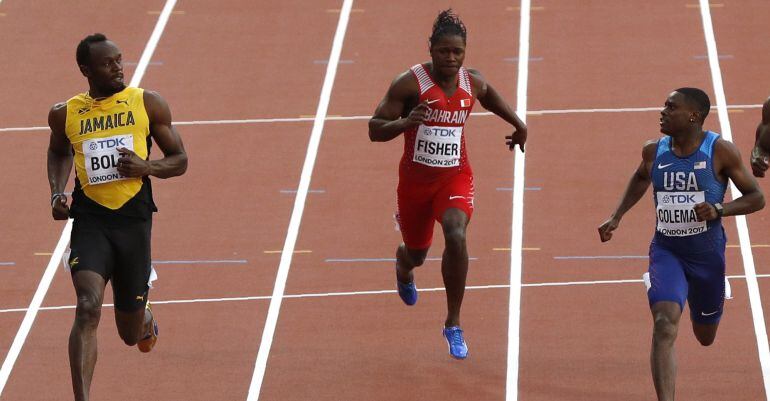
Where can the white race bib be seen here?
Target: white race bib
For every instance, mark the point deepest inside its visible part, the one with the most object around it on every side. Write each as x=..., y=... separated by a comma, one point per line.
x=101, y=157
x=676, y=214
x=438, y=146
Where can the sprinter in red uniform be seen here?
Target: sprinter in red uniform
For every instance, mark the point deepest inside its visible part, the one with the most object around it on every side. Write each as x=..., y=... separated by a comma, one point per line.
x=429, y=104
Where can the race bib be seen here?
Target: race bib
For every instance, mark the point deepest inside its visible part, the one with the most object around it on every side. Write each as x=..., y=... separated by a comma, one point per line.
x=676, y=214
x=438, y=146
x=101, y=158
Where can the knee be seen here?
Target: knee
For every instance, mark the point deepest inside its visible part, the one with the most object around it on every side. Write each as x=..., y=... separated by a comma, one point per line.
x=454, y=237
x=414, y=258
x=88, y=310
x=664, y=329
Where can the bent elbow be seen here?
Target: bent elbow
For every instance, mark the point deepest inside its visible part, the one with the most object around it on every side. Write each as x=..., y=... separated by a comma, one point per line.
x=761, y=202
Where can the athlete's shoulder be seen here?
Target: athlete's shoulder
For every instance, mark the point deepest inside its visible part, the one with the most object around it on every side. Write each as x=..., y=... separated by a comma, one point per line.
x=650, y=148
x=158, y=110
x=404, y=85
x=725, y=148
x=57, y=116
x=478, y=82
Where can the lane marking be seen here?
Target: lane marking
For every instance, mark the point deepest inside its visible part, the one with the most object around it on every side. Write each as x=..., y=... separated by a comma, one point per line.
x=299, y=205
x=370, y=260
x=43, y=254
x=602, y=257
x=53, y=263
x=297, y=251
x=517, y=8
x=525, y=188
x=178, y=12
x=370, y=292
x=133, y=63
x=516, y=59
x=517, y=221
x=331, y=117
x=34, y=306
x=337, y=10
x=327, y=61
x=7, y=263
x=752, y=245
x=760, y=330
x=199, y=262
x=508, y=249
x=721, y=56
x=294, y=191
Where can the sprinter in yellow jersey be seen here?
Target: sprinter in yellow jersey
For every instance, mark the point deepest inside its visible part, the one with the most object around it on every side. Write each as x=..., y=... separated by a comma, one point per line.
x=107, y=133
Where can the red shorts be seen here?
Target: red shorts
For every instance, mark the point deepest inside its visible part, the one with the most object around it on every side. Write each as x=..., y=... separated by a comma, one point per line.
x=422, y=204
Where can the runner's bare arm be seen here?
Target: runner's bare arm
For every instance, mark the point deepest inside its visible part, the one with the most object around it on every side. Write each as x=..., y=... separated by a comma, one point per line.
x=760, y=155
x=59, y=161
x=388, y=122
x=174, y=161
x=636, y=187
x=727, y=164
x=492, y=101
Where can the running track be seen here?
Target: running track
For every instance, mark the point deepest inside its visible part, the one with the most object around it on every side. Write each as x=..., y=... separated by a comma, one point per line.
x=340, y=333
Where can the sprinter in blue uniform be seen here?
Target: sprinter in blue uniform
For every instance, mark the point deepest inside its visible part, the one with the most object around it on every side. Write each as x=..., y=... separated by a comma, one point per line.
x=689, y=169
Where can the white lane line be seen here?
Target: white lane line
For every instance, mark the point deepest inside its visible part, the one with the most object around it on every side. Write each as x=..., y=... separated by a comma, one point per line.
x=743, y=230
x=517, y=223
x=349, y=118
x=299, y=205
x=45, y=282
x=370, y=292
x=34, y=306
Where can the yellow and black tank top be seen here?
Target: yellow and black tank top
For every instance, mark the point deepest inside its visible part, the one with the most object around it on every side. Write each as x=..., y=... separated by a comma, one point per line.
x=97, y=129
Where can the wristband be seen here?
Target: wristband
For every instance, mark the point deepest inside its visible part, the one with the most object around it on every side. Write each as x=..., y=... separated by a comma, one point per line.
x=720, y=209
x=56, y=196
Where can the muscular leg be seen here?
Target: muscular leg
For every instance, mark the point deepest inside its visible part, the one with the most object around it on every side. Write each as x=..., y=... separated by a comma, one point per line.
x=89, y=288
x=666, y=316
x=406, y=260
x=454, y=263
x=705, y=333
x=133, y=326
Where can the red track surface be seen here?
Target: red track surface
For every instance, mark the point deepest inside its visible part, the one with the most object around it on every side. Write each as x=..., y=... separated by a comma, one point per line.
x=244, y=60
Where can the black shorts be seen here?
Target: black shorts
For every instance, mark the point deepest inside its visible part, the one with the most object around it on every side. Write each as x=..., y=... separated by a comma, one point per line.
x=117, y=249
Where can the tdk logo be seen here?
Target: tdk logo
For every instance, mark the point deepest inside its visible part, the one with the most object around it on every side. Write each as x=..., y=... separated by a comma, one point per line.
x=110, y=143
x=441, y=132
x=679, y=199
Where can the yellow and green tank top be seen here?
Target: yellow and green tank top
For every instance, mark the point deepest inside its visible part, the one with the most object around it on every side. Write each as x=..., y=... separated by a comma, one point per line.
x=97, y=129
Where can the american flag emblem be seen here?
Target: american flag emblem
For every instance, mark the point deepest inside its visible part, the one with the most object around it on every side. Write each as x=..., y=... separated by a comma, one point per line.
x=465, y=102
x=700, y=165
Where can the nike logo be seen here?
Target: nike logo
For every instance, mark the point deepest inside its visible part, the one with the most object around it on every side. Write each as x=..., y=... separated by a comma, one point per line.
x=433, y=101
x=662, y=166
x=456, y=197
x=708, y=314
x=140, y=297
x=74, y=261
x=122, y=101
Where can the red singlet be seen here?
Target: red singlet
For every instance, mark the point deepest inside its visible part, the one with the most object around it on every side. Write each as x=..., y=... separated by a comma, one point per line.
x=434, y=174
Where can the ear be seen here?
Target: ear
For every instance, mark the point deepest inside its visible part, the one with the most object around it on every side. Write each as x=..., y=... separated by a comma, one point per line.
x=695, y=116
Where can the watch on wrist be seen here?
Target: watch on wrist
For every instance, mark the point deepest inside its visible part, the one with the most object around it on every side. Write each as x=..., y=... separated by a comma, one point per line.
x=720, y=209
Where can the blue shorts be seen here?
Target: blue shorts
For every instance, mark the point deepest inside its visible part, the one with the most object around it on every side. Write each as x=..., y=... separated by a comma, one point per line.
x=698, y=277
